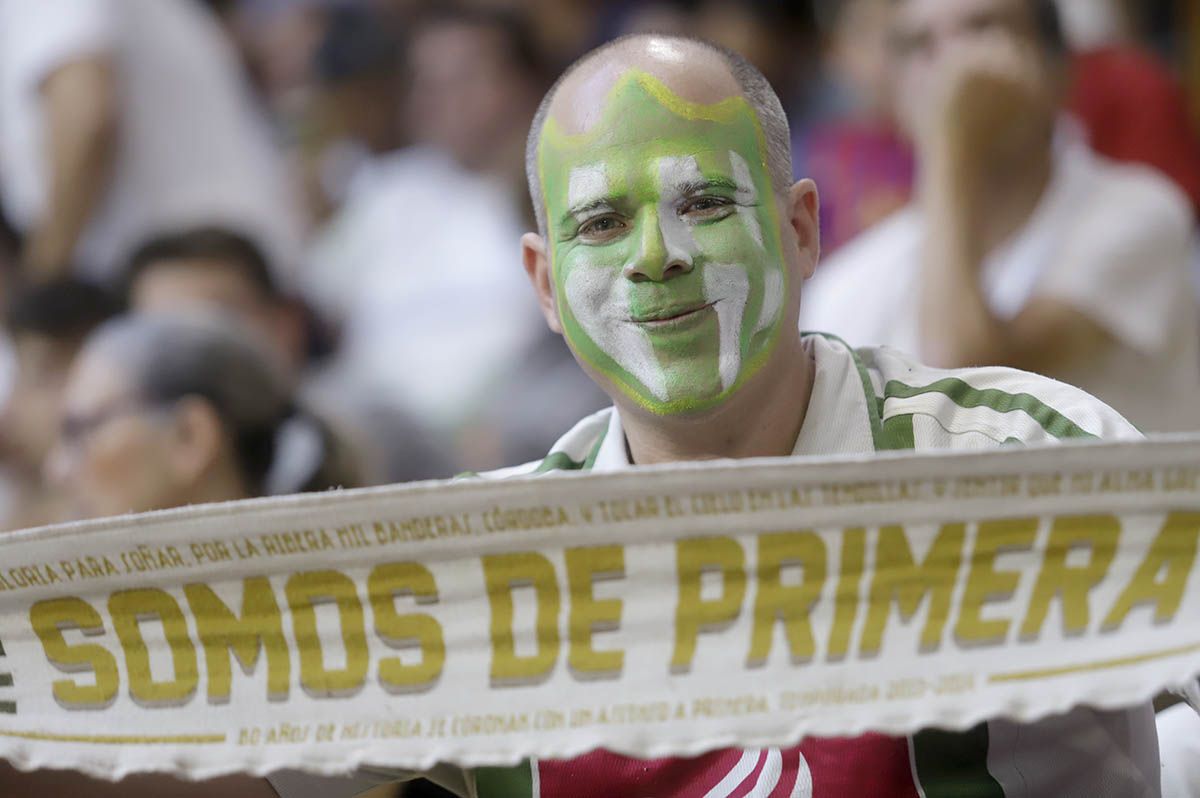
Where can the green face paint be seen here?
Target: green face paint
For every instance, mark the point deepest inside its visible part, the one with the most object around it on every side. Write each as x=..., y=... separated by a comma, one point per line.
x=664, y=240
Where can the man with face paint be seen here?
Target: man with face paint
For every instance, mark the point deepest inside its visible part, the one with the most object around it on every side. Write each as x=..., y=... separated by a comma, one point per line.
x=671, y=253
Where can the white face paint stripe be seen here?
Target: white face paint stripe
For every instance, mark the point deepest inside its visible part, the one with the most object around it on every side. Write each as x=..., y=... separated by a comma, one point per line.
x=746, y=194
x=599, y=298
x=728, y=286
x=634, y=344
x=586, y=184
x=772, y=299
x=673, y=175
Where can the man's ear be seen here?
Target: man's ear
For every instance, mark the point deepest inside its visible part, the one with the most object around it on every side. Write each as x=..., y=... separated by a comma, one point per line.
x=804, y=217
x=537, y=266
x=197, y=436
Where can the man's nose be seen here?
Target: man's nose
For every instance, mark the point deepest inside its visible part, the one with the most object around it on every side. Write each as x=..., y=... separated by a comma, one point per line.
x=665, y=248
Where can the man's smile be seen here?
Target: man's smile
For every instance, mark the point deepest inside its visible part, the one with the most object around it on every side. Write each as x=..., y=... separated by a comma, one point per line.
x=670, y=316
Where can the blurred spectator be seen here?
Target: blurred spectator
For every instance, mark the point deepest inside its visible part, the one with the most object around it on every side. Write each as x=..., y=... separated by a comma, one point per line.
x=217, y=271
x=856, y=155
x=119, y=118
x=276, y=40
x=476, y=80
x=419, y=267
x=354, y=116
x=1023, y=248
x=162, y=412
x=47, y=324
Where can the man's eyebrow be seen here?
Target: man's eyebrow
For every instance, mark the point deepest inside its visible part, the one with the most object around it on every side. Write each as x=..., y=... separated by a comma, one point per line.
x=602, y=203
x=707, y=184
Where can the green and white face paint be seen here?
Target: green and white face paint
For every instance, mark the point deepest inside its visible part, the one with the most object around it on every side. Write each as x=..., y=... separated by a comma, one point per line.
x=664, y=240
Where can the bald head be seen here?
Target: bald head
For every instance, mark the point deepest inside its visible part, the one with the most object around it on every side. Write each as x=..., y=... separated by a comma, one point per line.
x=694, y=70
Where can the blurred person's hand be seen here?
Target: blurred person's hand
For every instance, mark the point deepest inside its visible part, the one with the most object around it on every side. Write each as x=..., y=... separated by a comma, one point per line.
x=990, y=106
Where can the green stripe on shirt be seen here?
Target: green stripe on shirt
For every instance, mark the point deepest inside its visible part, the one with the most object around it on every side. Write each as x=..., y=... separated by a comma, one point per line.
x=963, y=395
x=561, y=461
x=897, y=433
x=873, y=404
x=558, y=461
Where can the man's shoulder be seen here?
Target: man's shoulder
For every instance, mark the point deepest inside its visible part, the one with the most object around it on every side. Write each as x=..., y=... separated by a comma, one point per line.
x=574, y=451
x=981, y=407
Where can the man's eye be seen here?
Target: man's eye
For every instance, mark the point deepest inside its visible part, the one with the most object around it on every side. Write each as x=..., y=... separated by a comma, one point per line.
x=706, y=206
x=601, y=227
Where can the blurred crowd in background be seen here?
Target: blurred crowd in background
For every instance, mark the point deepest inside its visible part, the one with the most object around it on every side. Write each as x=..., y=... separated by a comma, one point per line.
x=261, y=246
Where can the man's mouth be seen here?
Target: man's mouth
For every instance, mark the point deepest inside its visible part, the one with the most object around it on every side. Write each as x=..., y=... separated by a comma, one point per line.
x=666, y=316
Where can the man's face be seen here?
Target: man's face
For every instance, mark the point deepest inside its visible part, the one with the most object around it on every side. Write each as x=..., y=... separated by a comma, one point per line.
x=926, y=33
x=664, y=240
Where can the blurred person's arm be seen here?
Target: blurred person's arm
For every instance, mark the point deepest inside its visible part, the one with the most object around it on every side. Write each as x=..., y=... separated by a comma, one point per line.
x=985, y=165
x=79, y=102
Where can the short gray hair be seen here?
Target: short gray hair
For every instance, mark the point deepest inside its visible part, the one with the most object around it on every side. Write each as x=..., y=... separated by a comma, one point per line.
x=754, y=86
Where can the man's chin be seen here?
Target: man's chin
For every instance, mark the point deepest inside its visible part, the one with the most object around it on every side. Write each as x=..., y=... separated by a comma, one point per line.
x=696, y=403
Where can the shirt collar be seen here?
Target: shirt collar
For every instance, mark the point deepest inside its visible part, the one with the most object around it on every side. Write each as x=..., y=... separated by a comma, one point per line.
x=613, y=454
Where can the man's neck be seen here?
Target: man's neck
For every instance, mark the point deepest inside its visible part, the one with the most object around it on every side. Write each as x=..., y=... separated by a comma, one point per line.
x=763, y=419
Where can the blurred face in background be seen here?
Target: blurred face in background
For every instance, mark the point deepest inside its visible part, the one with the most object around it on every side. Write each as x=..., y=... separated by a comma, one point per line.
x=110, y=454
x=857, y=55
x=927, y=35
x=116, y=453
x=467, y=96
x=189, y=285
x=365, y=108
